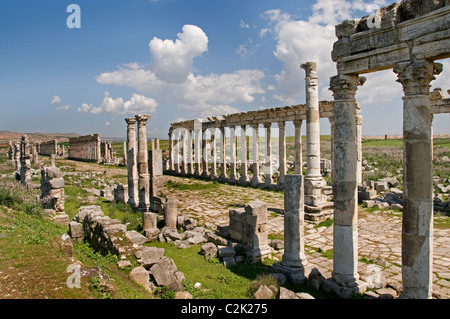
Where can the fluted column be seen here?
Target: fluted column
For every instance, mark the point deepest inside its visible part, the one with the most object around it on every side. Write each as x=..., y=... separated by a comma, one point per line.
x=213, y=154
x=223, y=143
x=282, y=151
x=171, y=157
x=298, y=147
x=233, y=175
x=255, y=149
x=143, y=175
x=177, y=151
x=183, y=153
x=205, y=151
x=243, y=177
x=417, y=228
x=189, y=153
x=131, y=161
x=197, y=151
x=345, y=233
x=268, y=162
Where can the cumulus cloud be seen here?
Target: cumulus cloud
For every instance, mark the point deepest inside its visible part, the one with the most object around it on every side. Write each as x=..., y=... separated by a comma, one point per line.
x=63, y=108
x=56, y=100
x=173, y=60
x=169, y=78
x=300, y=41
x=137, y=104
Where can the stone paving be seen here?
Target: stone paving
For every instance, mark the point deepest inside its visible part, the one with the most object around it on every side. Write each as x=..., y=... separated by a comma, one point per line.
x=379, y=232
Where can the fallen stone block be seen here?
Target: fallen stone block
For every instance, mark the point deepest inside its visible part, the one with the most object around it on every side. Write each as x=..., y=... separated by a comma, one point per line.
x=209, y=250
x=164, y=274
x=136, y=238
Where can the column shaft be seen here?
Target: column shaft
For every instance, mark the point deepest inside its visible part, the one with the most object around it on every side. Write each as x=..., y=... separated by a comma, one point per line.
x=144, y=185
x=243, y=154
x=131, y=162
x=282, y=151
x=417, y=227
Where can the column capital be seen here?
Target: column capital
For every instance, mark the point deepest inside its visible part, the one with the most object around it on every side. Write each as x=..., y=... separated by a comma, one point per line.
x=268, y=125
x=130, y=120
x=344, y=86
x=142, y=118
x=311, y=69
x=281, y=124
x=416, y=76
x=297, y=123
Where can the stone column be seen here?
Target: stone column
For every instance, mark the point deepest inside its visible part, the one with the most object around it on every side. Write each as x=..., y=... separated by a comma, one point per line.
x=131, y=162
x=213, y=154
x=345, y=232
x=177, y=151
x=282, y=151
x=205, y=150
x=170, y=213
x=313, y=179
x=171, y=167
x=25, y=159
x=189, y=153
x=298, y=147
x=223, y=142
x=417, y=227
x=359, y=142
x=233, y=174
x=331, y=119
x=294, y=260
x=268, y=162
x=143, y=182
x=255, y=149
x=17, y=156
x=197, y=151
x=124, y=153
x=243, y=177
x=183, y=153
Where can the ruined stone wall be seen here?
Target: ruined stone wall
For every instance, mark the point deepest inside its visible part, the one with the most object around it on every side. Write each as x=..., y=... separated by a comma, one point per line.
x=48, y=148
x=249, y=226
x=85, y=148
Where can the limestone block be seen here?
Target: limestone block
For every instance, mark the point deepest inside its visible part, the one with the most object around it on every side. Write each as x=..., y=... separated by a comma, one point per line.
x=164, y=273
x=140, y=276
x=76, y=230
x=135, y=237
x=150, y=256
x=56, y=183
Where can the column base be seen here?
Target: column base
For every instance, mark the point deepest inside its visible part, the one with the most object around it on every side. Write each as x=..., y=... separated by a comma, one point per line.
x=295, y=274
x=330, y=285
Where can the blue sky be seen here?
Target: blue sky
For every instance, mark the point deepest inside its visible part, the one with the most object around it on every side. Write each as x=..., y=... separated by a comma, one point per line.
x=175, y=59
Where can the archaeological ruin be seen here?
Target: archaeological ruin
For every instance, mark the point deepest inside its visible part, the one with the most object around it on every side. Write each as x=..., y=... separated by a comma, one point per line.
x=411, y=37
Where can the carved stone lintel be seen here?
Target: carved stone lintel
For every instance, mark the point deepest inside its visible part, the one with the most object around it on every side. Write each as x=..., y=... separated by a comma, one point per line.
x=416, y=76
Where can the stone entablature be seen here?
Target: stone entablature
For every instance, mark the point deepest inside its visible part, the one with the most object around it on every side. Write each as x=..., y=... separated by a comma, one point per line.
x=86, y=148
x=48, y=148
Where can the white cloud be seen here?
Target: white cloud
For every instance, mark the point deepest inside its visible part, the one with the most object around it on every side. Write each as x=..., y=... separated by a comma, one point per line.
x=107, y=124
x=63, y=108
x=56, y=100
x=243, y=25
x=172, y=61
x=300, y=41
x=170, y=80
x=137, y=104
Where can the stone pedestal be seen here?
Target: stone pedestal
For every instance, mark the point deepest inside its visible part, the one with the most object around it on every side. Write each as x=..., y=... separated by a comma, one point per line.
x=170, y=213
x=294, y=259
